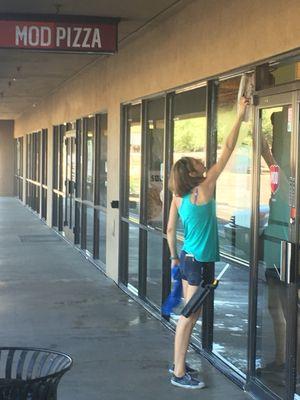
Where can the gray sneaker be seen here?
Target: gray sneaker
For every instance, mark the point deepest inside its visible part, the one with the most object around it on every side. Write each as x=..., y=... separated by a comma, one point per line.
x=187, y=382
x=188, y=369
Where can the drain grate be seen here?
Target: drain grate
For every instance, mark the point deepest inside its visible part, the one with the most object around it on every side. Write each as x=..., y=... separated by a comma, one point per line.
x=39, y=238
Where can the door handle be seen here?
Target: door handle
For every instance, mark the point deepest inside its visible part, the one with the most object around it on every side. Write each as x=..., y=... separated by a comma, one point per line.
x=287, y=262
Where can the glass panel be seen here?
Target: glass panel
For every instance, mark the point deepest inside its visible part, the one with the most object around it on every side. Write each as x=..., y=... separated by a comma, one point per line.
x=60, y=212
x=44, y=203
x=78, y=158
x=55, y=210
x=272, y=75
x=90, y=138
x=37, y=155
x=155, y=153
x=67, y=198
x=44, y=156
x=276, y=127
x=90, y=229
x=102, y=237
x=154, y=265
x=233, y=199
x=133, y=255
x=73, y=182
x=21, y=156
x=61, y=162
x=189, y=128
x=37, y=198
x=55, y=157
x=28, y=156
x=135, y=153
x=21, y=189
x=18, y=160
x=103, y=160
x=77, y=222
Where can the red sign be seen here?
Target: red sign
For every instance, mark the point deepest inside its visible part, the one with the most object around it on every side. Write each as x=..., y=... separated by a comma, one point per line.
x=94, y=37
x=274, y=178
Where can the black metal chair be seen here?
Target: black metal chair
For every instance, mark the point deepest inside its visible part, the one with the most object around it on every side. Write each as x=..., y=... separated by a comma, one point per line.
x=30, y=373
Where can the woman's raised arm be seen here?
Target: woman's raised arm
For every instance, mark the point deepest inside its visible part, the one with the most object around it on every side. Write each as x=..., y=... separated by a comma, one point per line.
x=214, y=172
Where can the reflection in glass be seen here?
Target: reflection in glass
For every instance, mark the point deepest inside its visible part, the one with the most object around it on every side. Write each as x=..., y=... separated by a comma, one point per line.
x=89, y=229
x=44, y=204
x=135, y=134
x=103, y=160
x=133, y=255
x=67, y=164
x=155, y=151
x=177, y=311
x=233, y=199
x=189, y=128
x=73, y=182
x=37, y=146
x=78, y=157
x=102, y=237
x=189, y=136
x=276, y=126
x=77, y=222
x=89, y=179
x=277, y=74
x=54, y=210
x=44, y=156
x=154, y=272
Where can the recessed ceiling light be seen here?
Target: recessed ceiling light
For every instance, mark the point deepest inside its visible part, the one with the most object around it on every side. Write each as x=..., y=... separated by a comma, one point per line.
x=33, y=105
x=14, y=79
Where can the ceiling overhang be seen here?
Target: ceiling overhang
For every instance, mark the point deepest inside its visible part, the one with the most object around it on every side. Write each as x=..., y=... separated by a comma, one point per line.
x=27, y=77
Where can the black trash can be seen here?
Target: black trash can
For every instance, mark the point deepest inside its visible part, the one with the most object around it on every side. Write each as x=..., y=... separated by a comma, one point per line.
x=30, y=373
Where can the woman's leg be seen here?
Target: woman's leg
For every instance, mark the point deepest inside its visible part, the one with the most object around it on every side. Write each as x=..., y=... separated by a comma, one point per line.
x=183, y=333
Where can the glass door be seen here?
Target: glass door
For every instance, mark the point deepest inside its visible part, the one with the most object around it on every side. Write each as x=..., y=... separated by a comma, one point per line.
x=70, y=181
x=275, y=238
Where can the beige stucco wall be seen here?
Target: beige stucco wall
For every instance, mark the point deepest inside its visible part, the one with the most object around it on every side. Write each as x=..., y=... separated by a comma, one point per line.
x=203, y=39
x=6, y=158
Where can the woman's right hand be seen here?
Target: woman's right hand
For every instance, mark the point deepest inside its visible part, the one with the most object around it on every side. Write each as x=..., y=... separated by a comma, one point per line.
x=244, y=102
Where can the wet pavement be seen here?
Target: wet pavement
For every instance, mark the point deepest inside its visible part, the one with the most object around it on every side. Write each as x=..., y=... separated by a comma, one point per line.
x=52, y=297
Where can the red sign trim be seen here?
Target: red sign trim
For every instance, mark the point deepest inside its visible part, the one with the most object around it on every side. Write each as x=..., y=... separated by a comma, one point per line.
x=63, y=35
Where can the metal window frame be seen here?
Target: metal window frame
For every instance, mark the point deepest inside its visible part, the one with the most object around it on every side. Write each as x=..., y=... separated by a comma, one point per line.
x=168, y=161
x=83, y=183
x=211, y=156
x=253, y=385
x=96, y=173
x=123, y=196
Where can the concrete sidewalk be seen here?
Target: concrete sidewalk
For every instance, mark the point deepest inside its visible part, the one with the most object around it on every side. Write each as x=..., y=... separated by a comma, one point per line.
x=51, y=297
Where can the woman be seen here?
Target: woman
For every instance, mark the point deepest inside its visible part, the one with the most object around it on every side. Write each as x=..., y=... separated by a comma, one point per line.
x=193, y=188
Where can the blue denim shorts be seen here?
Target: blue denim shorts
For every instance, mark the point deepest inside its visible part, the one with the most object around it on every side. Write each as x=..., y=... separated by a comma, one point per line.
x=195, y=272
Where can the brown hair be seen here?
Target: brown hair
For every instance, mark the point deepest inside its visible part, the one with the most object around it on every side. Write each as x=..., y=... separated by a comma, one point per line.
x=180, y=181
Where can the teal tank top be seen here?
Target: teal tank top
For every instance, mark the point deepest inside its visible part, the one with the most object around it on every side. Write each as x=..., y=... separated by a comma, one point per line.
x=200, y=229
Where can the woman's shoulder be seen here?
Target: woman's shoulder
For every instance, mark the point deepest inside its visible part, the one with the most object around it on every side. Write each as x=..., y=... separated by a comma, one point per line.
x=178, y=201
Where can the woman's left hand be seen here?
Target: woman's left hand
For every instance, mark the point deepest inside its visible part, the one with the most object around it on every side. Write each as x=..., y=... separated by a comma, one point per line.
x=176, y=261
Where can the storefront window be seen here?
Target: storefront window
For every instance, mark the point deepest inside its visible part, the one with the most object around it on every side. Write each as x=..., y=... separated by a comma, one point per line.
x=270, y=75
x=189, y=128
x=155, y=148
x=133, y=255
x=135, y=154
x=233, y=198
x=103, y=160
x=90, y=229
x=89, y=179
